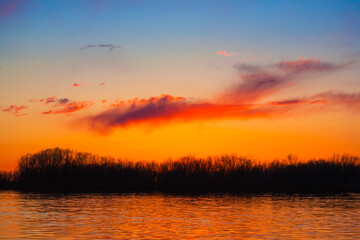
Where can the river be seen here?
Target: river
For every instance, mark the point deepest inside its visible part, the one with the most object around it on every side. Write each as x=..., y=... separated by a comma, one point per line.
x=163, y=216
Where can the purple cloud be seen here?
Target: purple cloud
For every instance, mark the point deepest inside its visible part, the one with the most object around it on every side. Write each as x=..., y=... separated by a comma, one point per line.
x=109, y=46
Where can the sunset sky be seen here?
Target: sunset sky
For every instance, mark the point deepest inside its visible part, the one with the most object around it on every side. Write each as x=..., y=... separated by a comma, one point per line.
x=152, y=80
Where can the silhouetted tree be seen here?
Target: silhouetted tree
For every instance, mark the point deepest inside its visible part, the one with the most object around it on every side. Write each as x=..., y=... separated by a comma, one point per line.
x=66, y=170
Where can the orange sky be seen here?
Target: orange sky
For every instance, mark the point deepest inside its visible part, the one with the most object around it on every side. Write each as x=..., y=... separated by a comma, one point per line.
x=138, y=81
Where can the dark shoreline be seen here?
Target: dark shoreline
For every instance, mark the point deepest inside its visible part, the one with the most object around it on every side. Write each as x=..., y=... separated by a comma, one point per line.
x=65, y=171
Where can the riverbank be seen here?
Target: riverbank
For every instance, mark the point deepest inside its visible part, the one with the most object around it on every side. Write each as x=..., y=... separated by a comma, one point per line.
x=64, y=170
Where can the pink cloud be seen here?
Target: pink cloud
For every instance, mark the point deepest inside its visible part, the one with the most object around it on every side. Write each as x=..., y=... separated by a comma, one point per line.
x=48, y=100
x=258, y=82
x=109, y=46
x=157, y=110
x=7, y=7
x=63, y=105
x=224, y=53
x=69, y=107
x=15, y=110
x=102, y=84
x=311, y=64
x=104, y=101
x=245, y=100
x=77, y=85
x=288, y=102
x=164, y=109
x=338, y=100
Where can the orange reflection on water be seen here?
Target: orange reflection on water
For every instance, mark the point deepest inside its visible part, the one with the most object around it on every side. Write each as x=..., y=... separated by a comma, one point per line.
x=136, y=216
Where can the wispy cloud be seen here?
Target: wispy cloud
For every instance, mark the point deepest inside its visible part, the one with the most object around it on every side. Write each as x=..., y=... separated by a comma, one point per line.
x=77, y=85
x=225, y=53
x=67, y=107
x=109, y=46
x=156, y=110
x=338, y=100
x=245, y=100
x=15, y=110
x=322, y=102
x=63, y=105
x=258, y=82
x=311, y=64
x=164, y=109
x=288, y=102
x=48, y=100
x=7, y=7
x=51, y=100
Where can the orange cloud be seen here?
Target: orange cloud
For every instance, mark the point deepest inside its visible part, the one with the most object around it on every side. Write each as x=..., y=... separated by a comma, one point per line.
x=156, y=110
x=77, y=85
x=63, y=105
x=338, y=100
x=104, y=101
x=311, y=64
x=69, y=107
x=288, y=102
x=119, y=103
x=15, y=110
x=47, y=100
x=166, y=108
x=242, y=101
x=226, y=53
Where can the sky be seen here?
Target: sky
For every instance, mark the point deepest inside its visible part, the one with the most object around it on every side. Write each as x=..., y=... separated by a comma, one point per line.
x=153, y=80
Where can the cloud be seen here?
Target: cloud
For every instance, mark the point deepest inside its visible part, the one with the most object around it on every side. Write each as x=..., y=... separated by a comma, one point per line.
x=15, y=110
x=102, y=84
x=322, y=102
x=104, y=101
x=338, y=100
x=62, y=101
x=225, y=53
x=52, y=100
x=246, y=100
x=311, y=64
x=259, y=82
x=254, y=87
x=63, y=105
x=156, y=110
x=77, y=85
x=7, y=7
x=288, y=102
x=117, y=103
x=67, y=106
x=47, y=100
x=109, y=46
x=164, y=109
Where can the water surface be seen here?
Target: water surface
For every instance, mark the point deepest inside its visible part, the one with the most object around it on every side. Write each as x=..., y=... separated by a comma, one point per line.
x=149, y=216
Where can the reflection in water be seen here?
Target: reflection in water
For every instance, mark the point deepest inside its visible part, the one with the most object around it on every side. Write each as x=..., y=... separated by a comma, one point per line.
x=149, y=216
